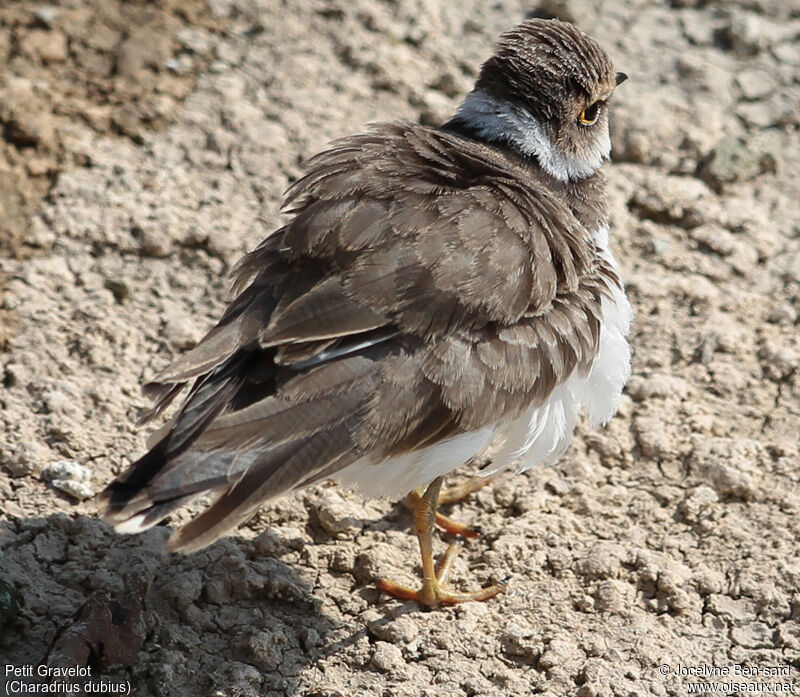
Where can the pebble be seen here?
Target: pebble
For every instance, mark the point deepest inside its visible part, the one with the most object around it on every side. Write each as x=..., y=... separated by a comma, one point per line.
x=26, y=459
x=747, y=33
x=759, y=115
x=755, y=635
x=49, y=46
x=519, y=641
x=387, y=658
x=657, y=385
x=397, y=630
x=58, y=402
x=654, y=440
x=787, y=53
x=783, y=314
x=779, y=362
x=119, y=287
x=180, y=330
x=603, y=561
x=698, y=504
x=47, y=15
x=265, y=649
x=728, y=465
x=338, y=515
x=70, y=477
x=755, y=83
x=559, y=651
x=743, y=158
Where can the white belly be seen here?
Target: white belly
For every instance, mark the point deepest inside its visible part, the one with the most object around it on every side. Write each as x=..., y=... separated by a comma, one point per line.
x=542, y=434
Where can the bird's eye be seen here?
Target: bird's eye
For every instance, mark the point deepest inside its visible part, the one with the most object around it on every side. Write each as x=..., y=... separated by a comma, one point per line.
x=589, y=115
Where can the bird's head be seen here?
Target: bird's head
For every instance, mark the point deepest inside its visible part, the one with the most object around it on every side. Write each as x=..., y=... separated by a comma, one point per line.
x=545, y=92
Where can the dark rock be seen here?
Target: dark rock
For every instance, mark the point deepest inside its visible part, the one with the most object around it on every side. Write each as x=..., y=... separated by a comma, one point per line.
x=740, y=159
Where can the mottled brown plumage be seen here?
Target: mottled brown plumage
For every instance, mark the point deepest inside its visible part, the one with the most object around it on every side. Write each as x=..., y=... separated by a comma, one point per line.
x=428, y=283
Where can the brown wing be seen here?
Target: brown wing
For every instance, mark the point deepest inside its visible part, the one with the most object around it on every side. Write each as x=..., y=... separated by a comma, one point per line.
x=421, y=289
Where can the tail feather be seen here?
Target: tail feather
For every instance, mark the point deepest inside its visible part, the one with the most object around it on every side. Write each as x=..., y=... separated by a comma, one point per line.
x=245, y=455
x=270, y=478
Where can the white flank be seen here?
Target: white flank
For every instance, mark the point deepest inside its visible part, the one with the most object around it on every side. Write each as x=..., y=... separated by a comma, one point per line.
x=395, y=477
x=540, y=436
x=496, y=119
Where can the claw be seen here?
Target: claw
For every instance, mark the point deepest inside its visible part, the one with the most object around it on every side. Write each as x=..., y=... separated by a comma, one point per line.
x=434, y=579
x=434, y=592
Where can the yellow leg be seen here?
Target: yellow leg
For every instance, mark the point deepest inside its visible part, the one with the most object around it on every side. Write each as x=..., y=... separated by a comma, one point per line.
x=453, y=494
x=433, y=592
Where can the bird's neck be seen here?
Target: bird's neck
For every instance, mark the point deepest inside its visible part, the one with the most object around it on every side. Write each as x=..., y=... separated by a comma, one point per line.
x=494, y=120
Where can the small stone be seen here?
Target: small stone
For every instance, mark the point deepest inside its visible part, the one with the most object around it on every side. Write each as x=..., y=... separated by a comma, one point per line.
x=39, y=166
x=448, y=84
x=779, y=362
x=755, y=635
x=654, y=440
x=783, y=315
x=310, y=638
x=265, y=649
x=746, y=33
x=48, y=46
x=672, y=200
x=788, y=53
x=47, y=15
x=58, y=402
x=27, y=459
x=183, y=589
x=698, y=28
x=387, y=658
x=558, y=9
x=728, y=465
x=397, y=630
x=275, y=541
x=657, y=385
x=758, y=115
x=558, y=652
x=755, y=84
x=70, y=477
x=25, y=129
x=740, y=159
x=603, y=561
x=337, y=515
x=119, y=287
x=698, y=504
x=180, y=330
x=77, y=490
x=152, y=241
x=519, y=641
x=243, y=674
x=66, y=469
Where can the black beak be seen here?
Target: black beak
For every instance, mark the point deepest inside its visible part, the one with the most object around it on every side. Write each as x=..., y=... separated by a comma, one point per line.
x=621, y=77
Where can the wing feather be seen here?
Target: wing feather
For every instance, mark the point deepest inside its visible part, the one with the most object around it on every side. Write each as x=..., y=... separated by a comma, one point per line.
x=425, y=286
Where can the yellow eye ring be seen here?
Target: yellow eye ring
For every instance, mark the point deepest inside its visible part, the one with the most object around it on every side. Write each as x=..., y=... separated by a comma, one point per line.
x=590, y=114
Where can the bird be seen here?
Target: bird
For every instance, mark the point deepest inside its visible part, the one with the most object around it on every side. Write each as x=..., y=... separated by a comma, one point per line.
x=432, y=291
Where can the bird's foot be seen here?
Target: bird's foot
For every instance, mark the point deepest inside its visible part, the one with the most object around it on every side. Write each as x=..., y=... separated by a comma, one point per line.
x=458, y=492
x=434, y=592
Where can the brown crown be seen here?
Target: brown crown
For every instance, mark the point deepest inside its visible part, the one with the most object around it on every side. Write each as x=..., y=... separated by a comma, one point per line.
x=543, y=65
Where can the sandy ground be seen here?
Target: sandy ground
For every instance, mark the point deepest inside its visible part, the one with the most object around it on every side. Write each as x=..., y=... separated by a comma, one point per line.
x=145, y=147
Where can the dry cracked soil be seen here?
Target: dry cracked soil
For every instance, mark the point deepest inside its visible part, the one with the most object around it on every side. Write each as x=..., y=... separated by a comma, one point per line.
x=145, y=146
